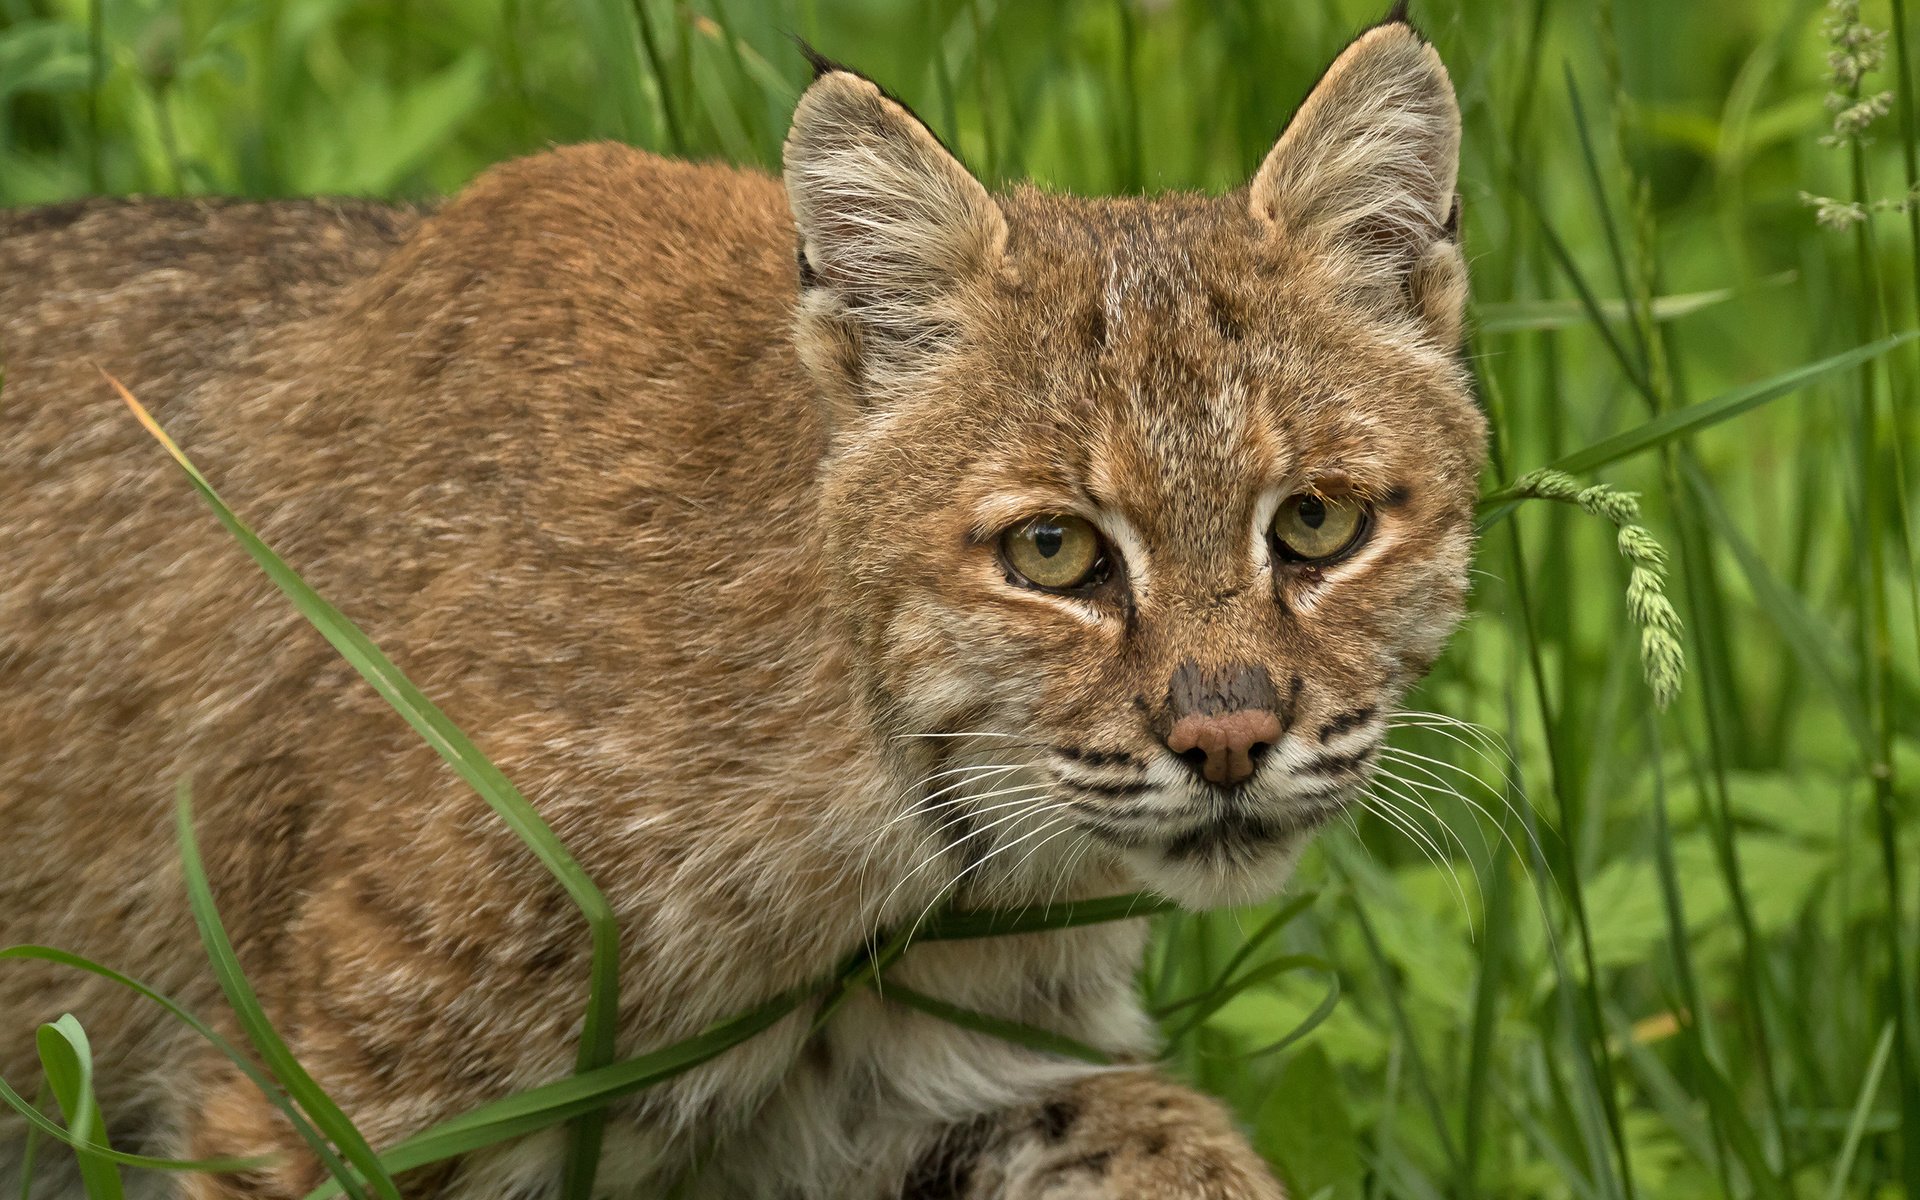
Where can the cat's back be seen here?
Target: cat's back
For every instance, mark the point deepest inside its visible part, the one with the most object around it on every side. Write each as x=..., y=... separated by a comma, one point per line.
x=587, y=254
x=584, y=349
x=165, y=289
x=560, y=411
x=547, y=443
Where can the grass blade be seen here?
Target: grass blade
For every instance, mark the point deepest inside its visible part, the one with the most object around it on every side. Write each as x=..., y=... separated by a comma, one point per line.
x=1684, y=422
x=1403, y=1026
x=1044, y=1040
x=67, y=1058
x=567, y=1099
x=30, y=1149
x=1205, y=1004
x=1265, y=933
x=1312, y=1021
x=1002, y=922
x=1537, y=316
x=41, y=1125
x=1862, y=1108
x=1803, y=634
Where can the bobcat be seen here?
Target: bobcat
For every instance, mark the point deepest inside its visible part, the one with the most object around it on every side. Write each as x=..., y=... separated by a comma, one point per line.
x=811, y=551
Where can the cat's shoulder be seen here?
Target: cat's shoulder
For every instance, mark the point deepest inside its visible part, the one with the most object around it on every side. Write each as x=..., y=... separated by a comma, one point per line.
x=603, y=215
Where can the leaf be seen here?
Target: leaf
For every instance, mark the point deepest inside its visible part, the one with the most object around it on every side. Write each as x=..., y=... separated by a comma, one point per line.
x=42, y=56
x=66, y=1056
x=1305, y=1131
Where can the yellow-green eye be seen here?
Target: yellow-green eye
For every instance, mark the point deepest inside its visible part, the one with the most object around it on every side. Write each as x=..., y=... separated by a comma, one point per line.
x=1311, y=528
x=1057, y=552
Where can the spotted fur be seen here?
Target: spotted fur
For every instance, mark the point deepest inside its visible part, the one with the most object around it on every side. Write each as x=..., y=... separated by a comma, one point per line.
x=679, y=490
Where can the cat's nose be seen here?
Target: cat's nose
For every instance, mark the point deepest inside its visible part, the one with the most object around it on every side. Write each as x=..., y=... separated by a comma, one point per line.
x=1225, y=747
x=1221, y=720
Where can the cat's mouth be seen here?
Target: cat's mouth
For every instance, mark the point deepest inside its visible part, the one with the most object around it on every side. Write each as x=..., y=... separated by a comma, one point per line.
x=1223, y=849
x=1203, y=845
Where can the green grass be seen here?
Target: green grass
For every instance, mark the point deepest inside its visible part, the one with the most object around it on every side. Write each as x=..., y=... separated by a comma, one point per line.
x=1680, y=957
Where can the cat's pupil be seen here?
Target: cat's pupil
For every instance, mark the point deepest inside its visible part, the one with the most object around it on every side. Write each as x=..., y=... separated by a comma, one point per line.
x=1046, y=539
x=1313, y=512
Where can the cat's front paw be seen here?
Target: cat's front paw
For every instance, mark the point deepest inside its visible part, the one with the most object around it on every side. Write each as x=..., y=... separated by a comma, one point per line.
x=1133, y=1136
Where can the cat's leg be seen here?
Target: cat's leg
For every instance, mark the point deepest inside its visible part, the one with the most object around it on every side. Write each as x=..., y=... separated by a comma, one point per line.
x=236, y=1120
x=1123, y=1134
x=372, y=1008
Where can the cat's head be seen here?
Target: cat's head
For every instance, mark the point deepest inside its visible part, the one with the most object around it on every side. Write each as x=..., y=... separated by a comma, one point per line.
x=1144, y=513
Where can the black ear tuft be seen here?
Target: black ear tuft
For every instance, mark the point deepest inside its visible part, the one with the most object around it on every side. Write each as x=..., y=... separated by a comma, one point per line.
x=821, y=64
x=824, y=66
x=1398, y=15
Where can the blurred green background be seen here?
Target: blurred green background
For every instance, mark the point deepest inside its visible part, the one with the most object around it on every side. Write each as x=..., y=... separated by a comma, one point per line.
x=1602, y=950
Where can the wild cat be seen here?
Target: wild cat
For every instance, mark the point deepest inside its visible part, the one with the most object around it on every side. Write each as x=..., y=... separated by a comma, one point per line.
x=811, y=551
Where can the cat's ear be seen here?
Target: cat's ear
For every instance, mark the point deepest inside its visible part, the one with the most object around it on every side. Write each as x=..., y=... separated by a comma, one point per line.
x=894, y=235
x=1364, y=175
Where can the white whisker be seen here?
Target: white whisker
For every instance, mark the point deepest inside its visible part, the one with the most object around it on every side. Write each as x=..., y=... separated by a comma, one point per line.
x=1023, y=805
x=1060, y=816
x=1403, y=757
x=1388, y=810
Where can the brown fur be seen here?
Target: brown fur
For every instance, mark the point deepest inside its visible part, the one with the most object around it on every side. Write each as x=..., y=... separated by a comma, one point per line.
x=704, y=560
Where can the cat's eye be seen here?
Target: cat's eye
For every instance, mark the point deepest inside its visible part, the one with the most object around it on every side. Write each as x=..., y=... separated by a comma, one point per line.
x=1057, y=552
x=1317, y=529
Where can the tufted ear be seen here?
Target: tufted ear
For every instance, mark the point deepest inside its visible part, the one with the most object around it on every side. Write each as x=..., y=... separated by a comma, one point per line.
x=1364, y=174
x=895, y=236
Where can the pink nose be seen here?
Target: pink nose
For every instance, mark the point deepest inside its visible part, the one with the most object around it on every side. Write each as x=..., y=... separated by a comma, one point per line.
x=1224, y=745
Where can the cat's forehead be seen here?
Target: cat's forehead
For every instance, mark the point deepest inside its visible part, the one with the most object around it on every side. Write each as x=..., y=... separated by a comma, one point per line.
x=1180, y=294
x=1178, y=372
x=1158, y=256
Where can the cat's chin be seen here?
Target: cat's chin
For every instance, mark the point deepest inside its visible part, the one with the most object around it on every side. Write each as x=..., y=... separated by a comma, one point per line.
x=1248, y=878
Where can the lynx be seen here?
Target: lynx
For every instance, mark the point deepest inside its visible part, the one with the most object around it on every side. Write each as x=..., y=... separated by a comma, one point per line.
x=811, y=551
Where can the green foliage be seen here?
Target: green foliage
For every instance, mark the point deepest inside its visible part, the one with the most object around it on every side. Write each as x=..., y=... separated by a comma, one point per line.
x=1644, y=954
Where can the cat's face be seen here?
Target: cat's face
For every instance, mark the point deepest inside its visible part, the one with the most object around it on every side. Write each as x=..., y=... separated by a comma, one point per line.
x=1144, y=513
